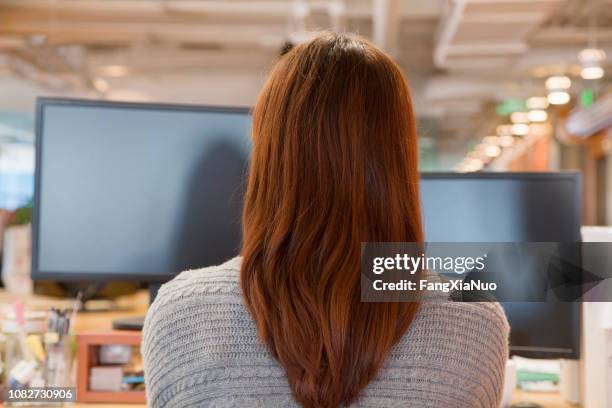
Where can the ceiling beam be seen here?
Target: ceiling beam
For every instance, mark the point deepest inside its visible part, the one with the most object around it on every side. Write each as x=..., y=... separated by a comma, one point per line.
x=104, y=32
x=210, y=7
x=385, y=24
x=570, y=35
x=470, y=25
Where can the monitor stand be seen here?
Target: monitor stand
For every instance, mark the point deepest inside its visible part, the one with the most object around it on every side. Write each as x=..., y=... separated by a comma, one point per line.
x=136, y=323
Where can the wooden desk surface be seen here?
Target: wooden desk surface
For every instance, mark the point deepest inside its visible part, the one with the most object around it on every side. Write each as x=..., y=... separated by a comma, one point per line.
x=547, y=400
x=126, y=306
x=83, y=405
x=136, y=305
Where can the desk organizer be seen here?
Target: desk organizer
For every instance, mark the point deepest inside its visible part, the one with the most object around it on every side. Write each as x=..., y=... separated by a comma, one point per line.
x=90, y=354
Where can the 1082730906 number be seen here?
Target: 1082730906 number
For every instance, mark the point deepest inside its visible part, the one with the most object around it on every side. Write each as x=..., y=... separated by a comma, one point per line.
x=40, y=394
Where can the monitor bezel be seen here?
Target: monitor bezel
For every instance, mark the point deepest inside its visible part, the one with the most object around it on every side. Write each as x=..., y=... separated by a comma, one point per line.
x=576, y=178
x=38, y=274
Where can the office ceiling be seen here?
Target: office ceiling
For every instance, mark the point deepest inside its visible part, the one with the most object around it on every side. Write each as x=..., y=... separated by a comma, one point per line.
x=461, y=57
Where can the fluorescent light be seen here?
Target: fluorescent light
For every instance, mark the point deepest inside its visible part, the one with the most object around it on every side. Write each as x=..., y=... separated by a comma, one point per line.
x=557, y=86
x=558, y=98
x=537, y=102
x=100, y=85
x=113, y=70
x=593, y=72
x=492, y=151
x=519, y=117
x=555, y=83
x=520, y=129
x=491, y=140
x=591, y=60
x=592, y=54
x=474, y=165
x=537, y=115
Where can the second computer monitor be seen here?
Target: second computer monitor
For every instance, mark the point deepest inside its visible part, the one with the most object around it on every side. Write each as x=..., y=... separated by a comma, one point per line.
x=513, y=207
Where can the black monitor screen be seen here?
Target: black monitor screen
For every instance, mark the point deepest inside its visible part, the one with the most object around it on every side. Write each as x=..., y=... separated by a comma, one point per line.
x=500, y=207
x=506, y=207
x=142, y=192
x=128, y=191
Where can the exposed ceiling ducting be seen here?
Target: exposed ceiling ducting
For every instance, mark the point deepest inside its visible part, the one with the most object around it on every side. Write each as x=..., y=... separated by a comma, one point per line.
x=461, y=56
x=487, y=33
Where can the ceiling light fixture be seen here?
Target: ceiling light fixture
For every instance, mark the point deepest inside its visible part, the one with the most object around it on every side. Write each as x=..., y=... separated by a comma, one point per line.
x=558, y=98
x=537, y=102
x=474, y=165
x=558, y=82
x=492, y=151
x=557, y=86
x=520, y=129
x=592, y=57
x=113, y=70
x=491, y=140
x=537, y=115
x=591, y=60
x=100, y=85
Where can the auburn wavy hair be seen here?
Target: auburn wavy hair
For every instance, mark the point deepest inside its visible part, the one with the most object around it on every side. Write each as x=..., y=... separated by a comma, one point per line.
x=334, y=164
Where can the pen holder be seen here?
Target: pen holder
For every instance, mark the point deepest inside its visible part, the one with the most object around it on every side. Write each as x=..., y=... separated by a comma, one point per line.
x=23, y=355
x=59, y=359
x=33, y=355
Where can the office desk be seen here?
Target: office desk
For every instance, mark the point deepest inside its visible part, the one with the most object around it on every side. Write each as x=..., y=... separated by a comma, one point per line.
x=136, y=305
x=127, y=306
x=95, y=405
x=547, y=400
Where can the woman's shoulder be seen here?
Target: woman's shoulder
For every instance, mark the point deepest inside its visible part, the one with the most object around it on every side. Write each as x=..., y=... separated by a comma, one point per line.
x=488, y=315
x=195, y=300
x=463, y=308
x=223, y=279
x=463, y=344
x=458, y=348
x=194, y=293
x=197, y=327
x=469, y=319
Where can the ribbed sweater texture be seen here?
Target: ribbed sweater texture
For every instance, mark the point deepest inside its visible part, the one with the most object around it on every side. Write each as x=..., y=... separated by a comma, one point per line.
x=201, y=349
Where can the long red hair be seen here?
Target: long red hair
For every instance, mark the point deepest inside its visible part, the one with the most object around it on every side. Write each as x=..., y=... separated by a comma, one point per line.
x=334, y=164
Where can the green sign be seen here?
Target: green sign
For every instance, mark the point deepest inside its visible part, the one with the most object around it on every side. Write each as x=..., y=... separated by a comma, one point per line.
x=586, y=98
x=510, y=106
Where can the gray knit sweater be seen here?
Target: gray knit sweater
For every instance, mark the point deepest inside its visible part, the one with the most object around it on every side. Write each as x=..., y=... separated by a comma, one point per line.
x=201, y=349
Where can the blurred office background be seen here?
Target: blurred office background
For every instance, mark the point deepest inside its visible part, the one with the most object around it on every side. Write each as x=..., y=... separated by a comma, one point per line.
x=499, y=85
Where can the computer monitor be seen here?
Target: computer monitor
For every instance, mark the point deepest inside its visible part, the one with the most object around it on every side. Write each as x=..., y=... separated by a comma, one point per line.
x=513, y=207
x=140, y=192
x=137, y=192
